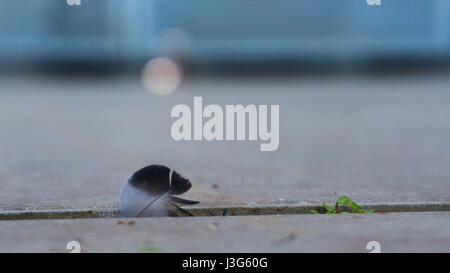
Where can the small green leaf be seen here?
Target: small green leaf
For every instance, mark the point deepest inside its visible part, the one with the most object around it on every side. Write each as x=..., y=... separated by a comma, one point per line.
x=355, y=206
x=367, y=211
x=344, y=201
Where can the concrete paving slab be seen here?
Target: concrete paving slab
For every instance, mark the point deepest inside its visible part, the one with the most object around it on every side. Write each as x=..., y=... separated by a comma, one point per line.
x=396, y=232
x=69, y=143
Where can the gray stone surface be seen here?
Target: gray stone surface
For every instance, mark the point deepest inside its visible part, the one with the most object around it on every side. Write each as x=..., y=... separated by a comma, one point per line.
x=68, y=143
x=396, y=232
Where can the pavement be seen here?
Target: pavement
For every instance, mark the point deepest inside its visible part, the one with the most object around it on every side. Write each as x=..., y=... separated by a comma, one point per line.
x=70, y=143
x=395, y=232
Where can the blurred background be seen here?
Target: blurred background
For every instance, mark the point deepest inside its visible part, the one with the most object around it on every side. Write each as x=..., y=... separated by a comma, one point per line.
x=216, y=35
x=363, y=95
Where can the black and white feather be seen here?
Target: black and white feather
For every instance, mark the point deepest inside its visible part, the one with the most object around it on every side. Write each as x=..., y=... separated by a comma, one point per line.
x=150, y=192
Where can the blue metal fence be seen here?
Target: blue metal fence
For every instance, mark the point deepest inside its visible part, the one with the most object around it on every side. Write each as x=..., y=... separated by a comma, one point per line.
x=132, y=29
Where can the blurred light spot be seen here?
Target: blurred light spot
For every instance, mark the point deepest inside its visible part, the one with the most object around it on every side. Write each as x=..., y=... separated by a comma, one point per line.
x=161, y=76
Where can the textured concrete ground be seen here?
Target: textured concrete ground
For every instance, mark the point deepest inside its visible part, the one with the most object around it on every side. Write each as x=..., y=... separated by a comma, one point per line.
x=70, y=143
x=396, y=232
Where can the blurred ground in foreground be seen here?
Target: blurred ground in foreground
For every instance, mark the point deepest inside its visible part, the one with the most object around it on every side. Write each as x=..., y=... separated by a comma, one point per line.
x=396, y=232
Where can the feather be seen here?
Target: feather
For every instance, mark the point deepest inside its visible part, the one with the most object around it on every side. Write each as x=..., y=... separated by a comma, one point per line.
x=182, y=201
x=153, y=187
x=175, y=210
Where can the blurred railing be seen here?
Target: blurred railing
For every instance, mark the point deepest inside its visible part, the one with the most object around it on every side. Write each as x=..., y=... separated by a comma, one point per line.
x=135, y=30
